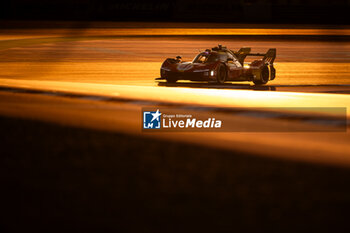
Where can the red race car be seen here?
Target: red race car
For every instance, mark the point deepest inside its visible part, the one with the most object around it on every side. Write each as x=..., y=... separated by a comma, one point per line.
x=219, y=65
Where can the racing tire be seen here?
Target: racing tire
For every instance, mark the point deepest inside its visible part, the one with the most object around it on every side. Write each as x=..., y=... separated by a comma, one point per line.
x=273, y=72
x=221, y=75
x=263, y=76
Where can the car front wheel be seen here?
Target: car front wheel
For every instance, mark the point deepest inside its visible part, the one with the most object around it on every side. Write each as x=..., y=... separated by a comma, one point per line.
x=221, y=74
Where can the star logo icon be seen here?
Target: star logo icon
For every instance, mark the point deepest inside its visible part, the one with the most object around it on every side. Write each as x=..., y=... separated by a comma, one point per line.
x=156, y=115
x=151, y=119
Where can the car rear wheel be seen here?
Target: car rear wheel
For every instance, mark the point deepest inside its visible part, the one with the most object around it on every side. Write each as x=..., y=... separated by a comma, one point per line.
x=273, y=72
x=221, y=75
x=263, y=77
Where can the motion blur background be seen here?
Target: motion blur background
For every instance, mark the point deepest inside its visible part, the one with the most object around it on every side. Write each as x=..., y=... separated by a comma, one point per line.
x=225, y=11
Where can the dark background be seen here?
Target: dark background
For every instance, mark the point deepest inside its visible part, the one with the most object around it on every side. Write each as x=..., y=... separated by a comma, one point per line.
x=65, y=179
x=228, y=11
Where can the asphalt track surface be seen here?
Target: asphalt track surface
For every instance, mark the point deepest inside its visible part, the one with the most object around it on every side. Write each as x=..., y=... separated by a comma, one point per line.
x=123, y=64
x=70, y=106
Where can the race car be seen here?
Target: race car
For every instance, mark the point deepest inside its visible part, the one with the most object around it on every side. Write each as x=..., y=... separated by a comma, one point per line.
x=219, y=65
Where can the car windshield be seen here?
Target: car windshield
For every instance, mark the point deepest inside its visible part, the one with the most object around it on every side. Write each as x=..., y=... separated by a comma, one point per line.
x=206, y=58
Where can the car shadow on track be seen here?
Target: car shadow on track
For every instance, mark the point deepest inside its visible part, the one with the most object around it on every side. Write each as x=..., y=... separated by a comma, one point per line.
x=313, y=88
x=218, y=86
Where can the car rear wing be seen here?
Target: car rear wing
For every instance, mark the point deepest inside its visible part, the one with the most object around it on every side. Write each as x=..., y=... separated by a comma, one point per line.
x=269, y=56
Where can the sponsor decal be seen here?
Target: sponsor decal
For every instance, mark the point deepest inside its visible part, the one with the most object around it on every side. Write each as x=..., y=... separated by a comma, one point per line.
x=184, y=66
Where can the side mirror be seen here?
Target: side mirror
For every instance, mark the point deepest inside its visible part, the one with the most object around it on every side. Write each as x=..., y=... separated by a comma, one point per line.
x=230, y=60
x=178, y=57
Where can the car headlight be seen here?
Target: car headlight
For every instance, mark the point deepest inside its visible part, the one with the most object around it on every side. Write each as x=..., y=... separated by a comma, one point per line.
x=212, y=73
